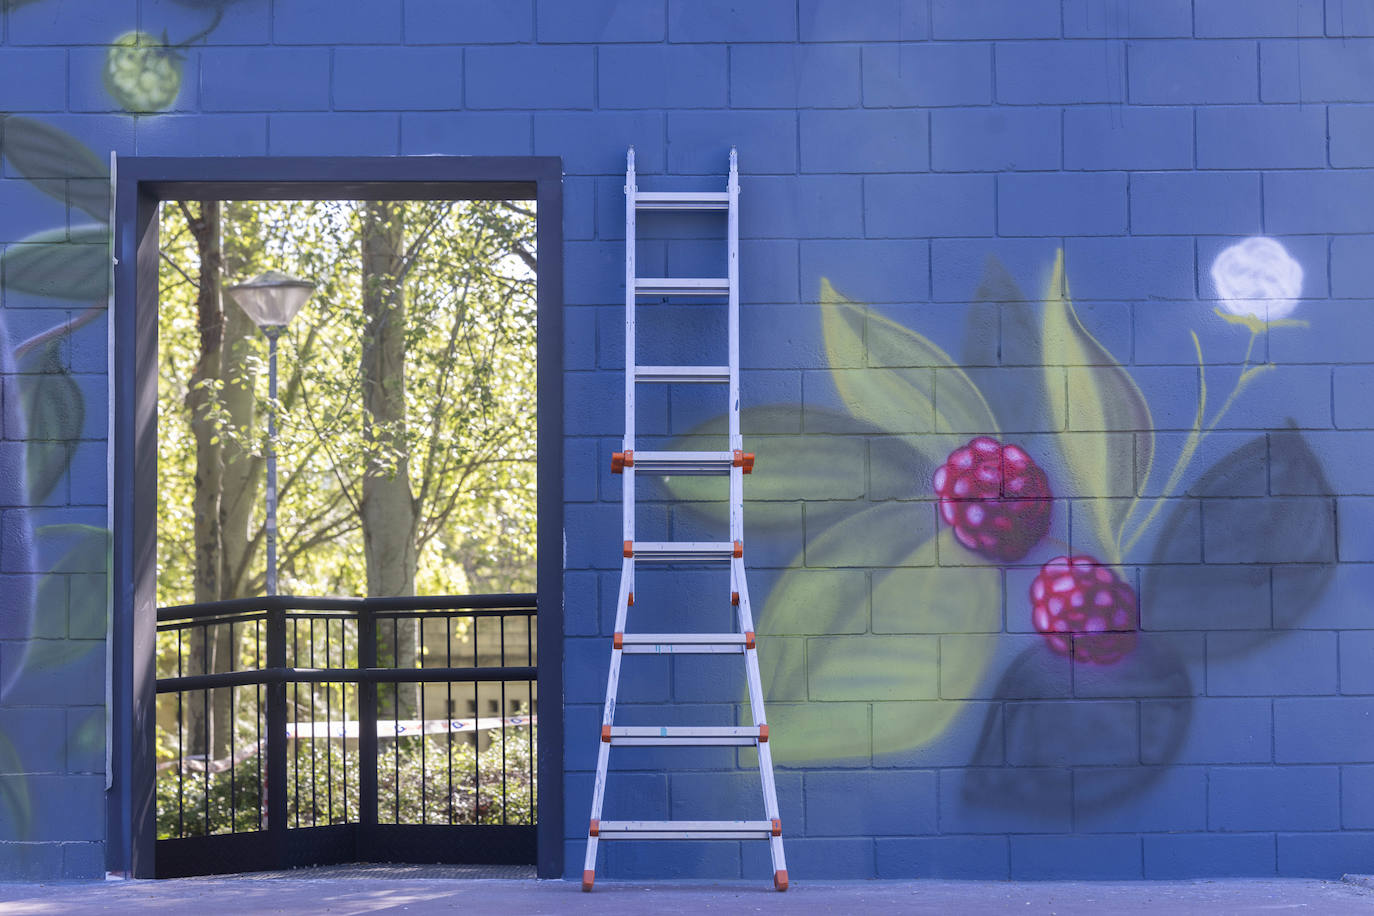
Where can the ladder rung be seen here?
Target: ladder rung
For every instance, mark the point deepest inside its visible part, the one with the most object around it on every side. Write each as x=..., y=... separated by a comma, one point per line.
x=682, y=200
x=684, y=374
x=685, y=830
x=682, y=286
x=686, y=643
x=686, y=463
x=683, y=551
x=686, y=735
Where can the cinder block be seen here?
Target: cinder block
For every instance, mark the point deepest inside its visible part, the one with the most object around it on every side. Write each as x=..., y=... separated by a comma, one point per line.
x=1075, y=857
x=1183, y=856
x=1005, y=800
x=83, y=861
x=999, y=378
x=473, y=22
x=30, y=861
x=994, y=140
x=1324, y=730
x=1260, y=19
x=1041, y=734
x=1190, y=203
x=1127, y=137
x=43, y=74
x=1138, y=267
x=1335, y=336
x=662, y=76
x=1316, y=71
x=1130, y=799
x=1264, y=137
x=1273, y=798
x=913, y=600
x=668, y=860
x=1061, y=204
x=98, y=132
x=1352, y=266
x=806, y=206
x=1210, y=597
x=629, y=796
x=201, y=135
x=1352, y=132
x=336, y=22
x=1058, y=73
x=1128, y=19
x=39, y=737
x=264, y=79
x=1194, y=72
x=953, y=19
x=1298, y=663
x=837, y=734
x=721, y=20
x=959, y=266
x=61, y=808
x=1344, y=19
x=334, y=134
x=832, y=675
x=1295, y=395
x=957, y=857
x=795, y=76
x=699, y=142
x=871, y=271
x=1324, y=855
x=251, y=24
x=1341, y=604
x=864, y=141
x=592, y=536
x=542, y=77
x=586, y=662
x=602, y=21
x=883, y=20
x=595, y=143
x=737, y=796
x=416, y=78
x=87, y=90
x=71, y=22
x=1354, y=539
x=870, y=803
x=936, y=733
x=1357, y=797
x=809, y=857
x=921, y=206
x=1020, y=667
x=1352, y=389
x=927, y=75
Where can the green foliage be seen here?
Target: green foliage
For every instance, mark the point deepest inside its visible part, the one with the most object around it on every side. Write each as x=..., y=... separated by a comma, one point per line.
x=61, y=263
x=55, y=411
x=54, y=162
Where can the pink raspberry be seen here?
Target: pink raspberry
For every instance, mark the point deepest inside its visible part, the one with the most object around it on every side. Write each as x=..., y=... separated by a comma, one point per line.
x=996, y=498
x=1084, y=610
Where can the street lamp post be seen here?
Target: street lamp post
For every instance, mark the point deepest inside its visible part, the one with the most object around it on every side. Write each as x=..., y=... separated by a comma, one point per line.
x=272, y=299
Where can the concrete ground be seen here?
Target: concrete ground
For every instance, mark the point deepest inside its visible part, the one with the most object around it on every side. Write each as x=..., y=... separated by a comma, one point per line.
x=356, y=890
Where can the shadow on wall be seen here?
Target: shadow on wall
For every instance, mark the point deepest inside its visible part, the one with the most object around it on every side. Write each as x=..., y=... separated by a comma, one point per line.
x=1030, y=586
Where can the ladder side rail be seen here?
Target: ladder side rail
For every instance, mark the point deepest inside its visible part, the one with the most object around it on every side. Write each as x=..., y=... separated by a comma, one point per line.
x=732, y=265
x=628, y=443
x=608, y=711
x=755, y=681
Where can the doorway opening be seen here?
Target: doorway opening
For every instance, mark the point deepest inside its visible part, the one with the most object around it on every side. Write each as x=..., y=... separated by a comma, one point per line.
x=380, y=702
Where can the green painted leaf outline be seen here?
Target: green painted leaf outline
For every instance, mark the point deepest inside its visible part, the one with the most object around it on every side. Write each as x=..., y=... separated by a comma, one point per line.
x=55, y=412
x=60, y=264
x=955, y=404
x=49, y=157
x=1109, y=403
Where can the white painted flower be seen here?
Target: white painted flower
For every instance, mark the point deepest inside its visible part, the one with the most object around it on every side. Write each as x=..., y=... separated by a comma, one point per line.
x=1257, y=278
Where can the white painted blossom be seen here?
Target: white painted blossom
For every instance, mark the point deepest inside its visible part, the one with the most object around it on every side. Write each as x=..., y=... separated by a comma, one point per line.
x=1257, y=278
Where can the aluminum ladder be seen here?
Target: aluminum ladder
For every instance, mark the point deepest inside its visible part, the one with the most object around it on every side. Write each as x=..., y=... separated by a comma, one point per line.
x=734, y=463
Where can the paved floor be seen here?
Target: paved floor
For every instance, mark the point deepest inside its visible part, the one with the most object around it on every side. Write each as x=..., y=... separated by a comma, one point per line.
x=349, y=895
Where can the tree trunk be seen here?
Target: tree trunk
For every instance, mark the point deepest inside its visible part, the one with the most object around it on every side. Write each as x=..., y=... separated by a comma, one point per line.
x=209, y=648
x=243, y=472
x=388, y=505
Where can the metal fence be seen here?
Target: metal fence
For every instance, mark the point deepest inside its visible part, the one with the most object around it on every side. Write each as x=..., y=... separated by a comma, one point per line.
x=295, y=731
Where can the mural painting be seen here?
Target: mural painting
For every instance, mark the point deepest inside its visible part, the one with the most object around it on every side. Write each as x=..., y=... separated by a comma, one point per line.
x=997, y=533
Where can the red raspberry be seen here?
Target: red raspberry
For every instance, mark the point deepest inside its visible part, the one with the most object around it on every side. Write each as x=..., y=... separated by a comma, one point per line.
x=1084, y=610
x=996, y=498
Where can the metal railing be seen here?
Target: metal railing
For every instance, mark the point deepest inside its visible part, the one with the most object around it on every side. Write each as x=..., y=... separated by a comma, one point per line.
x=298, y=731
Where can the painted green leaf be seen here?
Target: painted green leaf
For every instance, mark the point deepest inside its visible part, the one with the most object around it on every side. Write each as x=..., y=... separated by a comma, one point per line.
x=911, y=388
x=1102, y=398
x=79, y=583
x=59, y=264
x=857, y=667
x=16, y=808
x=55, y=411
x=51, y=158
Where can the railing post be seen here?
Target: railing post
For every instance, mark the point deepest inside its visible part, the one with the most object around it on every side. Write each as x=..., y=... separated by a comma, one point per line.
x=367, y=733
x=276, y=731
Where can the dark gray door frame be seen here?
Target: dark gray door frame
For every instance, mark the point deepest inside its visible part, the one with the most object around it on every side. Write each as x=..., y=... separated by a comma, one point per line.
x=141, y=184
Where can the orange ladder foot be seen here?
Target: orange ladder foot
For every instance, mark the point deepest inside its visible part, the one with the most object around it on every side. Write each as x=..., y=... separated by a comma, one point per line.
x=589, y=878
x=779, y=879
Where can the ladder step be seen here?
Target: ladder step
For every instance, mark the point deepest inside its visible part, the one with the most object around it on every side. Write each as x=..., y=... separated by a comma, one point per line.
x=686, y=643
x=684, y=463
x=685, y=735
x=682, y=200
x=685, y=830
x=682, y=286
x=684, y=374
x=684, y=551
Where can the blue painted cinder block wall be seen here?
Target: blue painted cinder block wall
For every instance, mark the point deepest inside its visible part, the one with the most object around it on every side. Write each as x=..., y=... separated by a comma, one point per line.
x=1130, y=238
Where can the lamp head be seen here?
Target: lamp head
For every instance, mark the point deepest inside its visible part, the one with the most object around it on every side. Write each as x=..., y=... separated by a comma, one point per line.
x=271, y=299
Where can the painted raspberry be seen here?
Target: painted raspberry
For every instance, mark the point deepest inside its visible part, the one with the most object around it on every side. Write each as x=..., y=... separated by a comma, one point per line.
x=142, y=73
x=996, y=498
x=1083, y=609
